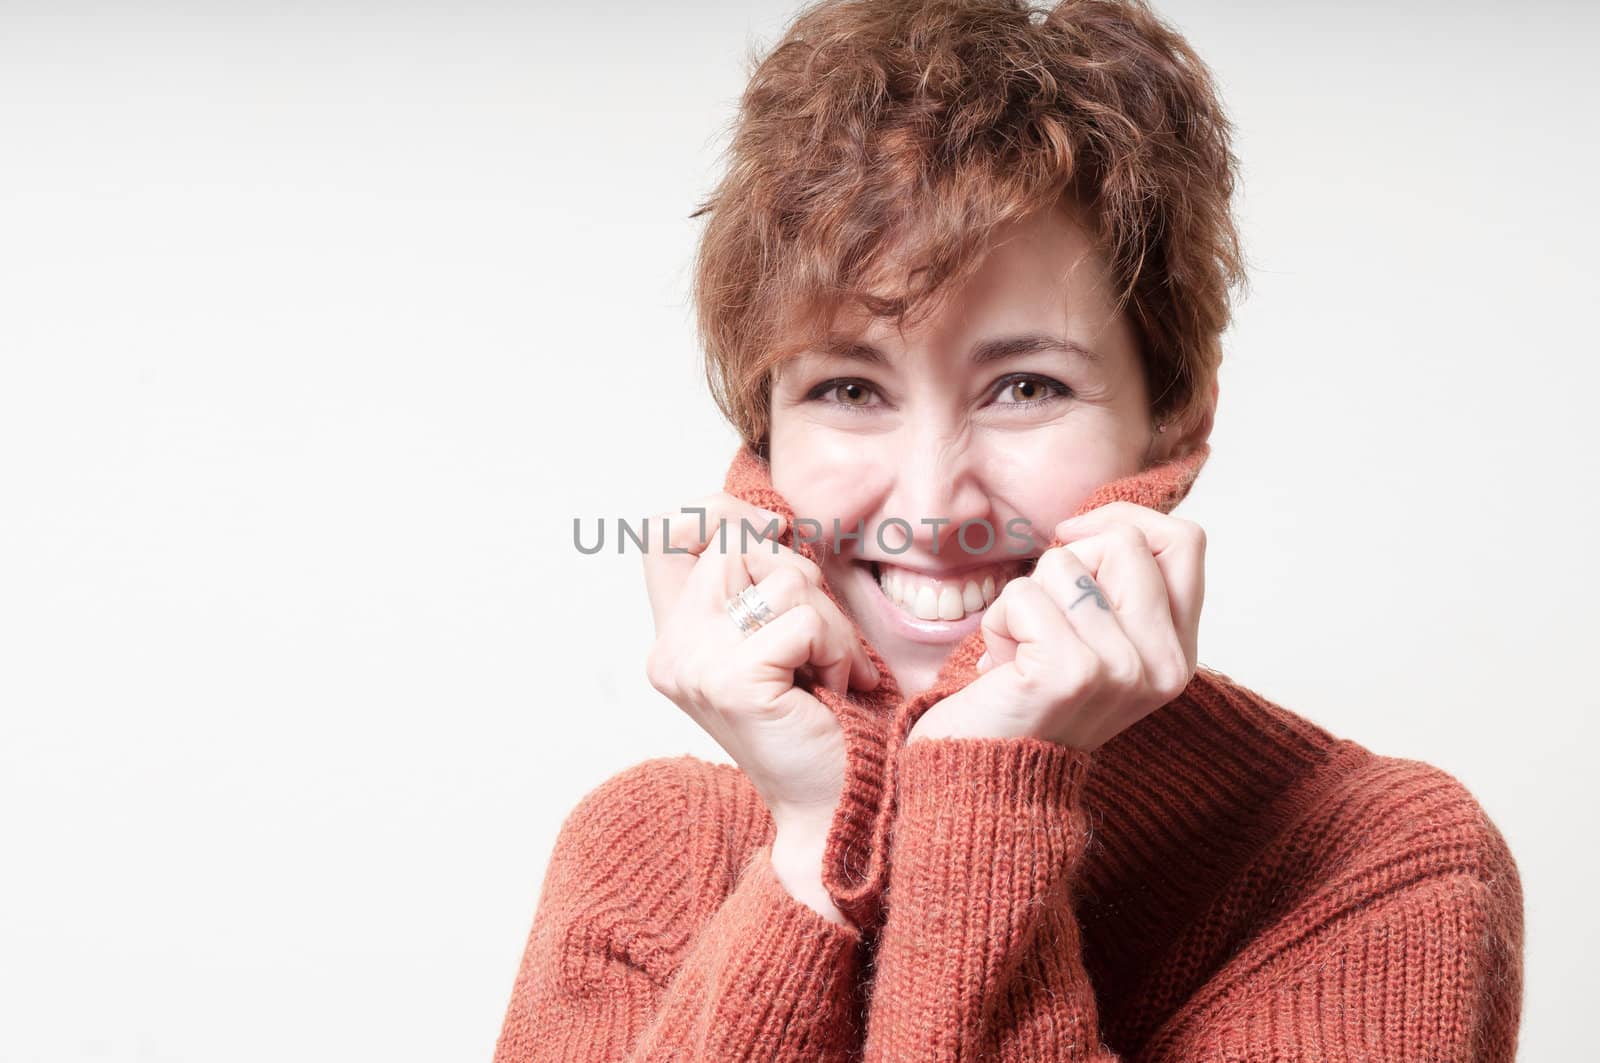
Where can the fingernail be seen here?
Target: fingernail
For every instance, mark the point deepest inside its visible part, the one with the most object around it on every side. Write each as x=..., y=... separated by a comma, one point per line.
x=984, y=662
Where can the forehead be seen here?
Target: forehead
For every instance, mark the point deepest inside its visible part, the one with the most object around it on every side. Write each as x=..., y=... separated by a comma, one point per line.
x=1041, y=274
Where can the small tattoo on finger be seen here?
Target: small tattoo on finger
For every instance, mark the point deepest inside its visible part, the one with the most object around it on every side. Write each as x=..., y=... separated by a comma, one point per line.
x=1090, y=591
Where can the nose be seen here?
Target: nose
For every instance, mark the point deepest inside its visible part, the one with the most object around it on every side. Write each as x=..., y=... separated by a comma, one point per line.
x=938, y=486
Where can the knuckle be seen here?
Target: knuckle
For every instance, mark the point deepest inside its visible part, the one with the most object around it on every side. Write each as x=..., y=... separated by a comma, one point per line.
x=788, y=582
x=808, y=618
x=1123, y=669
x=1052, y=563
x=655, y=530
x=1176, y=673
x=809, y=570
x=1004, y=593
x=1130, y=535
x=661, y=670
x=831, y=655
x=1174, y=682
x=671, y=528
x=1033, y=685
x=653, y=673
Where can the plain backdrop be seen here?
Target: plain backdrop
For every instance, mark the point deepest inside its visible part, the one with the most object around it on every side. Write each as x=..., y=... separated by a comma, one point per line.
x=320, y=323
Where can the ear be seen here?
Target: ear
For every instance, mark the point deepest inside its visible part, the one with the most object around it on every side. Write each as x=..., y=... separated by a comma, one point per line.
x=1184, y=436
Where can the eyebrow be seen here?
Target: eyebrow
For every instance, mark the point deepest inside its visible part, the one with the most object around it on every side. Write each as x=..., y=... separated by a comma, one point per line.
x=982, y=353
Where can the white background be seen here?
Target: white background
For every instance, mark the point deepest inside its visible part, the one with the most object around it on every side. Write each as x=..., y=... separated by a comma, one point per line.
x=319, y=323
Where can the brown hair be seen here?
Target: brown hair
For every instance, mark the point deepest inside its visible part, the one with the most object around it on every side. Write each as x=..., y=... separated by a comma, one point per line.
x=931, y=123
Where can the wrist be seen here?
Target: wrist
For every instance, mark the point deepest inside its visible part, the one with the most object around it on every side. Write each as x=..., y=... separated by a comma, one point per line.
x=798, y=845
x=796, y=856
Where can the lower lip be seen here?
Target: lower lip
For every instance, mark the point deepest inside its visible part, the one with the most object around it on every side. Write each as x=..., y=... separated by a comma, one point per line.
x=909, y=627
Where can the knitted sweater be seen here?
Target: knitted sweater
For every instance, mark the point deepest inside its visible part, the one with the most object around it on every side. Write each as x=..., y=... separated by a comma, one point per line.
x=1223, y=880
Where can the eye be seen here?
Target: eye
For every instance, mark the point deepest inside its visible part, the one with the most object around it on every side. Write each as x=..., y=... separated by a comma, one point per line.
x=856, y=394
x=1027, y=389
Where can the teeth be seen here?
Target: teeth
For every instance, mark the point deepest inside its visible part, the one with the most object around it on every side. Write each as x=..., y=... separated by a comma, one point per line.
x=945, y=601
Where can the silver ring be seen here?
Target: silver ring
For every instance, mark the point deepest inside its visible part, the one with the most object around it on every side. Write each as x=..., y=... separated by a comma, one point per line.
x=749, y=609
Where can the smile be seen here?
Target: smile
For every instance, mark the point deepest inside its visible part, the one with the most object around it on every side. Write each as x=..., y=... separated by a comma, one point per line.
x=941, y=606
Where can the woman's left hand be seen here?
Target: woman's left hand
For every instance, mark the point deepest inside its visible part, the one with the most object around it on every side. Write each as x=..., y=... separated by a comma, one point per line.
x=1101, y=633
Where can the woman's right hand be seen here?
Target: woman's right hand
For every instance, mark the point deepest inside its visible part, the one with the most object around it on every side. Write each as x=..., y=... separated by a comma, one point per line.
x=741, y=687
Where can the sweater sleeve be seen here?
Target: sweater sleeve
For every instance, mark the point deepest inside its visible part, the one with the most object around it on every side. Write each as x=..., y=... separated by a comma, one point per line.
x=980, y=954
x=633, y=955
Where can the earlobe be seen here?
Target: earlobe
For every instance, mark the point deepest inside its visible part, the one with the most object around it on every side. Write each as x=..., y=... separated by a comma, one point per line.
x=1199, y=430
x=1155, y=453
x=1172, y=440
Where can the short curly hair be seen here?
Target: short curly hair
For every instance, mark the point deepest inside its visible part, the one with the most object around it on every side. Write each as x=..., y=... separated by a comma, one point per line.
x=931, y=123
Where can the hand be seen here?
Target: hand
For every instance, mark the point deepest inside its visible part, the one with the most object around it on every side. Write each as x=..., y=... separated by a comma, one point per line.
x=1101, y=633
x=740, y=687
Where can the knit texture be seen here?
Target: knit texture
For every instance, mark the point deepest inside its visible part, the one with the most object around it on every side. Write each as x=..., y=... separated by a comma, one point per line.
x=1223, y=880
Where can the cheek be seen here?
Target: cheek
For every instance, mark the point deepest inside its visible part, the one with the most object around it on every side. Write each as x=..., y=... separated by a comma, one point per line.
x=829, y=481
x=1045, y=479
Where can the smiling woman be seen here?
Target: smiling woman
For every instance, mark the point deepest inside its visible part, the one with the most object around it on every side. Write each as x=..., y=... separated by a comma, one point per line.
x=1019, y=393
x=969, y=268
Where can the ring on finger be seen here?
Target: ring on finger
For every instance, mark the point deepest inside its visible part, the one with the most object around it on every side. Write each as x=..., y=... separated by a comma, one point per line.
x=749, y=609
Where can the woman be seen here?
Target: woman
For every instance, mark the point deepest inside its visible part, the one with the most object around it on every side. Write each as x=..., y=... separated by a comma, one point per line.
x=966, y=279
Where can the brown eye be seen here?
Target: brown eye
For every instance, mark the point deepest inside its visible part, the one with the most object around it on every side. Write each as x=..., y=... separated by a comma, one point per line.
x=1026, y=391
x=850, y=393
x=1029, y=391
x=843, y=391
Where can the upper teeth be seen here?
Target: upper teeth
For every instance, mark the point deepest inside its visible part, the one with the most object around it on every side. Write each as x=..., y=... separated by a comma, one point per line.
x=929, y=599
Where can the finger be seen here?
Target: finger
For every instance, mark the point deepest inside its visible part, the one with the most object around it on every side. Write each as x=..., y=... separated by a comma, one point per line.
x=1178, y=546
x=1121, y=562
x=779, y=648
x=1087, y=608
x=1000, y=647
x=1025, y=613
x=767, y=557
x=727, y=564
x=840, y=657
x=762, y=562
x=676, y=539
x=721, y=519
x=720, y=574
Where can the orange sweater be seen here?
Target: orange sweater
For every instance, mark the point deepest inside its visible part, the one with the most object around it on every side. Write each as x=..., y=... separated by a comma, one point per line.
x=1222, y=881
